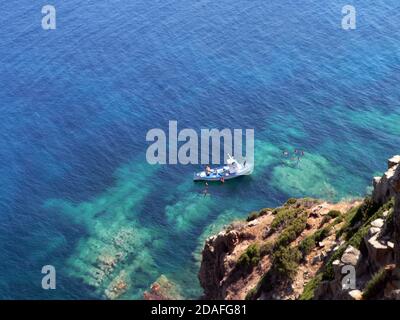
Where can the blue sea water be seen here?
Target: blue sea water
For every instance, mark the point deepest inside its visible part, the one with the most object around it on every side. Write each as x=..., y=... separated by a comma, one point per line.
x=76, y=104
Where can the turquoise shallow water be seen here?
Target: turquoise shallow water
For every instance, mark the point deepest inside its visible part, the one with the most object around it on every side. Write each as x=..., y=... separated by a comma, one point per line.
x=76, y=104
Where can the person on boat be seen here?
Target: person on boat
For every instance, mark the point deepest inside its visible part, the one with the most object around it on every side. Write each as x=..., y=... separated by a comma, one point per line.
x=208, y=170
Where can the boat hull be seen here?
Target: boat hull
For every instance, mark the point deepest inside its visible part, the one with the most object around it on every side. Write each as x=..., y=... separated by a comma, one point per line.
x=219, y=174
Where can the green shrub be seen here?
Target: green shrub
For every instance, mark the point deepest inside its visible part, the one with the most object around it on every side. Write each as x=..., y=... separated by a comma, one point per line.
x=356, y=236
x=286, y=260
x=334, y=213
x=291, y=201
x=309, y=288
x=348, y=216
x=251, y=257
x=252, y=216
x=256, y=214
x=376, y=285
x=267, y=282
x=328, y=273
x=307, y=245
x=292, y=231
x=266, y=248
x=325, y=220
x=244, y=260
x=253, y=250
x=322, y=234
x=366, y=210
x=251, y=294
x=265, y=211
x=338, y=220
x=283, y=217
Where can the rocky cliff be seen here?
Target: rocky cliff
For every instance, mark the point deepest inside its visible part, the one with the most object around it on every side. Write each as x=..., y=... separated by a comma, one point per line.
x=386, y=187
x=311, y=249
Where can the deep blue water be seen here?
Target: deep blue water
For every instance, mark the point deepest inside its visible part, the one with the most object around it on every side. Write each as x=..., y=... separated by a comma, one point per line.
x=76, y=104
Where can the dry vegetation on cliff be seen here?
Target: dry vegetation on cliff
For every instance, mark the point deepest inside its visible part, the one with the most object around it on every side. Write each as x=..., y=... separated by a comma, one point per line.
x=297, y=251
x=269, y=250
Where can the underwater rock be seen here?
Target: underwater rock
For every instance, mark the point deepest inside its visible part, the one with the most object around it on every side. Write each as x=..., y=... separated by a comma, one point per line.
x=117, y=286
x=163, y=289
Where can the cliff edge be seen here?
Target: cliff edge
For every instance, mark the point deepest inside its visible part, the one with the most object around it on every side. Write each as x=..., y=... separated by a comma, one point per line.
x=311, y=249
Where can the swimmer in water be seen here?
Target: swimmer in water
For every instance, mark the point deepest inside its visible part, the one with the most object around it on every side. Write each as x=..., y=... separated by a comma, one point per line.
x=205, y=191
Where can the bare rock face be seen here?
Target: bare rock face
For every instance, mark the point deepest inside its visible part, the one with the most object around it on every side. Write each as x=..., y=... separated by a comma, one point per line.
x=212, y=269
x=386, y=187
x=351, y=256
x=396, y=215
x=335, y=289
x=380, y=247
x=355, y=295
x=379, y=252
x=378, y=223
